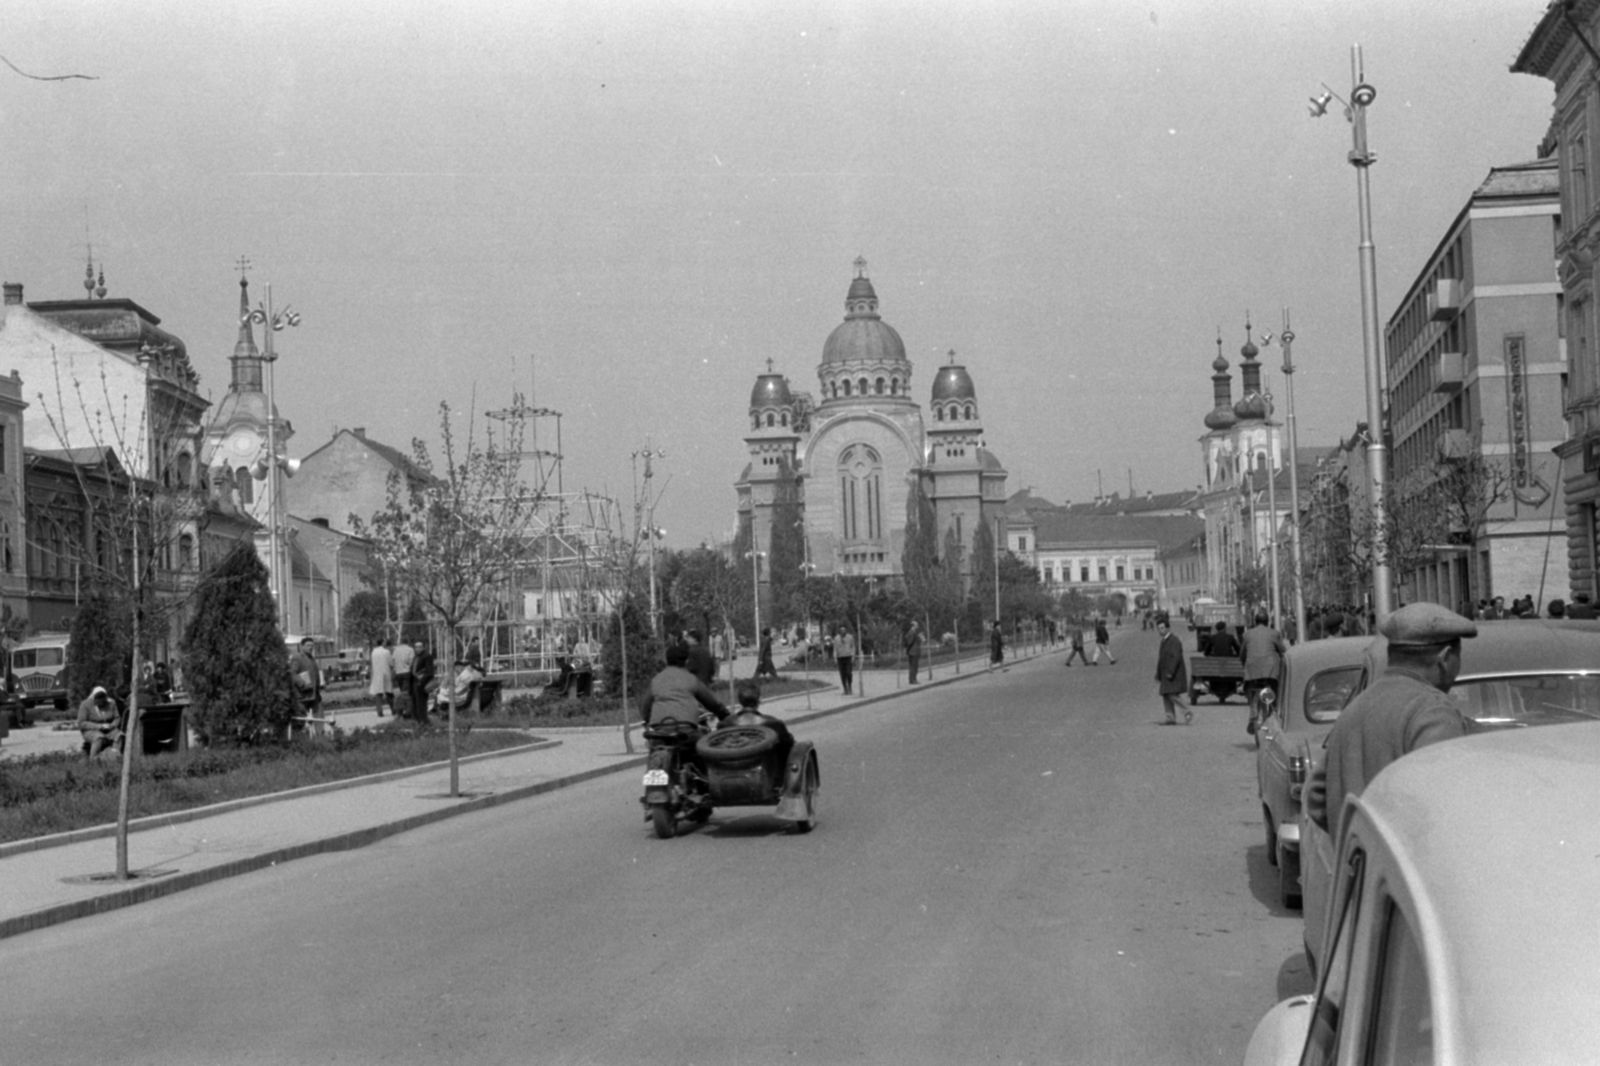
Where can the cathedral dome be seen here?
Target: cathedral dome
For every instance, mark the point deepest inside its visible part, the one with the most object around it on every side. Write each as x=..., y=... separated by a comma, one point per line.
x=772, y=390
x=863, y=337
x=952, y=382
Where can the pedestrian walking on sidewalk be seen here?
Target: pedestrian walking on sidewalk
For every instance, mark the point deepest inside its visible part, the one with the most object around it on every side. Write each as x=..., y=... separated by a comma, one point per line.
x=381, y=687
x=1102, y=642
x=764, y=665
x=1171, y=673
x=1077, y=645
x=844, y=653
x=997, y=645
x=307, y=678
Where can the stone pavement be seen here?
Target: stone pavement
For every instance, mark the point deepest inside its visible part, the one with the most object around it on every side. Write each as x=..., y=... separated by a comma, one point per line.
x=56, y=879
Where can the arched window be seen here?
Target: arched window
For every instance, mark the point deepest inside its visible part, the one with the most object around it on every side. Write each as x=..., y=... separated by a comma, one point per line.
x=186, y=552
x=185, y=470
x=783, y=418
x=863, y=384
x=835, y=388
x=861, y=494
x=755, y=421
x=878, y=386
x=938, y=414
x=894, y=386
x=247, y=486
x=770, y=420
x=847, y=387
x=969, y=412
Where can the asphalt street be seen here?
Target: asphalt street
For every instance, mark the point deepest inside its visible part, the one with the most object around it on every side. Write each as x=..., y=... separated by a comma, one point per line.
x=1022, y=868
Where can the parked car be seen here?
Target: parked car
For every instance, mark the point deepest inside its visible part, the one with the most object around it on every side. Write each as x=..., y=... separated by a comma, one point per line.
x=1317, y=679
x=352, y=664
x=1514, y=674
x=1465, y=922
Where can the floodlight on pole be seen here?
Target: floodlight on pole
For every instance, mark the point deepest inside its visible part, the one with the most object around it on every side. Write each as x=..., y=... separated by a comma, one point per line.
x=1361, y=157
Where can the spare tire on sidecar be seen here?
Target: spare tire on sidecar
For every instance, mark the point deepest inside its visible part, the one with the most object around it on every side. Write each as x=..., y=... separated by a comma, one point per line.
x=753, y=760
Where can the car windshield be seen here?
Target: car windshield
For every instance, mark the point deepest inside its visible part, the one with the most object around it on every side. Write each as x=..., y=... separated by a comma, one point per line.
x=1328, y=692
x=1528, y=700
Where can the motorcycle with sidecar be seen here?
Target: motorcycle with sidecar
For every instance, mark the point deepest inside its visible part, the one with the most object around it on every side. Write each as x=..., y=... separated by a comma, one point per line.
x=750, y=760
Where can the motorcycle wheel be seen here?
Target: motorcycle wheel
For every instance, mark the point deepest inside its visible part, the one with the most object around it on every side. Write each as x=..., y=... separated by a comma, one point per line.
x=664, y=821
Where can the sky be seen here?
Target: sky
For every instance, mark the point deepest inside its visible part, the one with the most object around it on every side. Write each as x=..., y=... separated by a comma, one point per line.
x=623, y=209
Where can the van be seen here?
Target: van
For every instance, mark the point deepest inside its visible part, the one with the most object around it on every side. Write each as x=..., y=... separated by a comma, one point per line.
x=39, y=665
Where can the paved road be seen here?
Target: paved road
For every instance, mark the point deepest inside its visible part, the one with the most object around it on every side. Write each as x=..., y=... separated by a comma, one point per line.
x=1022, y=868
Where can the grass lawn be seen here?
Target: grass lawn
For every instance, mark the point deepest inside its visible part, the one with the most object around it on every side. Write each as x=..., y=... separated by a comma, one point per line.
x=60, y=791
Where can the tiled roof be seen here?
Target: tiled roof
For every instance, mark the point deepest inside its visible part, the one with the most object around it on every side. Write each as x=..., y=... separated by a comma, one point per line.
x=1067, y=530
x=1536, y=178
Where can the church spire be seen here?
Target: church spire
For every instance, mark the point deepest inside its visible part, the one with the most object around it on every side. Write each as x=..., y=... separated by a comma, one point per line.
x=246, y=356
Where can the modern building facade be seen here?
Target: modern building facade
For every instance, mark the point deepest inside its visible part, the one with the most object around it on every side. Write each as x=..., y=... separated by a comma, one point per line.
x=1562, y=50
x=1475, y=369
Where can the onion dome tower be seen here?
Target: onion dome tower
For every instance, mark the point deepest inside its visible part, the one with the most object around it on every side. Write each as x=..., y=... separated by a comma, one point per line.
x=1252, y=405
x=864, y=359
x=956, y=432
x=1221, y=416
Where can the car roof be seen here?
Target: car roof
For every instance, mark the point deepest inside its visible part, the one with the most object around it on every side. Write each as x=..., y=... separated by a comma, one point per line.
x=1497, y=837
x=1523, y=646
x=1313, y=655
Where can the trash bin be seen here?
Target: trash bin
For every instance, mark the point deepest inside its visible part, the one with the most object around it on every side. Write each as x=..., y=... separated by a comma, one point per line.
x=162, y=729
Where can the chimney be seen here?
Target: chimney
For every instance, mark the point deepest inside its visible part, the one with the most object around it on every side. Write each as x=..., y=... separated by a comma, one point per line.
x=13, y=292
x=360, y=432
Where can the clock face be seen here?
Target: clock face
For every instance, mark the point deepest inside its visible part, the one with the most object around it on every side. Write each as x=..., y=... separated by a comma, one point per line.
x=244, y=443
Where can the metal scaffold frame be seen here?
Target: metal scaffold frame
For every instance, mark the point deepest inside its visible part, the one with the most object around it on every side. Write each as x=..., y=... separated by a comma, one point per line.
x=559, y=599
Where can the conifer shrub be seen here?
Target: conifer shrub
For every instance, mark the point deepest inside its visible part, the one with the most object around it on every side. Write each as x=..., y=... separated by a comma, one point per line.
x=101, y=645
x=235, y=660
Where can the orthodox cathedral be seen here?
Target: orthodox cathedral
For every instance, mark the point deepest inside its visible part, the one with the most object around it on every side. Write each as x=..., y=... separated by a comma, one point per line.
x=852, y=458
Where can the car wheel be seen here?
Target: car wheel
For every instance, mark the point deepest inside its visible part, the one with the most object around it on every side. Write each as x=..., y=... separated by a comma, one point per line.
x=664, y=822
x=1272, y=835
x=1288, y=882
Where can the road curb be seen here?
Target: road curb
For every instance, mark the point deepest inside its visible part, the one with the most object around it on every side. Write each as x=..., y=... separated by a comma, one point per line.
x=141, y=892
x=144, y=891
x=158, y=821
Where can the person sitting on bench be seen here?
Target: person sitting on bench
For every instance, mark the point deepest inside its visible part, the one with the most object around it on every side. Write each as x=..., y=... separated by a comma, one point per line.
x=99, y=722
x=464, y=686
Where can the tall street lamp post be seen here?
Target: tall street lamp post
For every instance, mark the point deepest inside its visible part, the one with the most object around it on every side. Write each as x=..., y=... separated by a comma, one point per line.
x=273, y=321
x=755, y=592
x=1362, y=158
x=1286, y=340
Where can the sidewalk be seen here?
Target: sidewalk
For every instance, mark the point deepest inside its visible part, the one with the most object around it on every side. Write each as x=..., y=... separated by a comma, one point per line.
x=56, y=879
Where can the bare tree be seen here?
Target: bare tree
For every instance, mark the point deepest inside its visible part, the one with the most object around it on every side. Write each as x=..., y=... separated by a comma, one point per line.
x=450, y=533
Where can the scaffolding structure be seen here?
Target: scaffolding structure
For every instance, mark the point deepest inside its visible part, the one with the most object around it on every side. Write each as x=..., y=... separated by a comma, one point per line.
x=557, y=601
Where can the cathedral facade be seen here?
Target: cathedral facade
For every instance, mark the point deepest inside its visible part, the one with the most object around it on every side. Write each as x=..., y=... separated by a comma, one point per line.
x=852, y=457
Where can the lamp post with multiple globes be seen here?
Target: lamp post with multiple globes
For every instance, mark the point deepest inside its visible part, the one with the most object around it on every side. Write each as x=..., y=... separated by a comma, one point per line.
x=269, y=465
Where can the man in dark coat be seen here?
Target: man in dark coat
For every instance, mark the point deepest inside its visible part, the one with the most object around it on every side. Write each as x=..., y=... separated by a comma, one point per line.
x=913, y=646
x=1171, y=672
x=423, y=672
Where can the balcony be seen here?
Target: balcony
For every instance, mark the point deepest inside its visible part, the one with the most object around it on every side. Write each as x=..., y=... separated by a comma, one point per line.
x=1454, y=446
x=1450, y=373
x=1444, y=302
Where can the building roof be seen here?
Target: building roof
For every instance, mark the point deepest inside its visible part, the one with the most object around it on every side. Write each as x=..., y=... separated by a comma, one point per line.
x=1537, y=177
x=391, y=455
x=1066, y=530
x=863, y=336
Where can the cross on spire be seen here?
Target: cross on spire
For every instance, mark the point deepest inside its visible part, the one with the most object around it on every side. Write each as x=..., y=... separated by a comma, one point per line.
x=242, y=266
x=769, y=364
x=861, y=266
x=952, y=357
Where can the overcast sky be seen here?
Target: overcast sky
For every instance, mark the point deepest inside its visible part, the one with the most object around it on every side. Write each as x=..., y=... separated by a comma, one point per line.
x=628, y=207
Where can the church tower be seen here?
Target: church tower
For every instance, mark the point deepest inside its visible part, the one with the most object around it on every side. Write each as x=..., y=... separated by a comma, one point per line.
x=960, y=474
x=236, y=440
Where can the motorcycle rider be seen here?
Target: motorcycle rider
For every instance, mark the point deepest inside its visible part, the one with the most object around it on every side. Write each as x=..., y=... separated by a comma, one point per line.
x=677, y=695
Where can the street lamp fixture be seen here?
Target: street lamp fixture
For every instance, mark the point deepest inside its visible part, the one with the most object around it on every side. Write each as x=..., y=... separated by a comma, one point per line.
x=268, y=465
x=1286, y=341
x=1361, y=157
x=755, y=558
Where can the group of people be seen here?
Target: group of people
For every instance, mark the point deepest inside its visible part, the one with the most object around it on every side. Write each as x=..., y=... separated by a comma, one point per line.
x=1102, y=642
x=1494, y=610
x=1260, y=648
x=102, y=716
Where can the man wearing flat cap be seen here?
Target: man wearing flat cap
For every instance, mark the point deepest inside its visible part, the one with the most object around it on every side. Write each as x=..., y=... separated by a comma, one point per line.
x=1405, y=709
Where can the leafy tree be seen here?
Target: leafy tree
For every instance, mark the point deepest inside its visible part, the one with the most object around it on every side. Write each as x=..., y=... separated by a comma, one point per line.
x=101, y=645
x=920, y=558
x=705, y=590
x=365, y=618
x=234, y=656
x=980, y=604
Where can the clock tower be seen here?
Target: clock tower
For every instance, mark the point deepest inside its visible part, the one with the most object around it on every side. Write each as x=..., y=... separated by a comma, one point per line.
x=236, y=440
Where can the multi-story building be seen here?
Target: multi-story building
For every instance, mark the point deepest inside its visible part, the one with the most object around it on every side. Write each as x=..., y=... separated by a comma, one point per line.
x=1562, y=49
x=1475, y=367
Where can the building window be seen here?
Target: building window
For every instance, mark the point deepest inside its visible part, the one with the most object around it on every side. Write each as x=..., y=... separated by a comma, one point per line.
x=847, y=386
x=1022, y=544
x=1103, y=572
x=1577, y=147
x=1119, y=573
x=247, y=487
x=878, y=386
x=861, y=493
x=1083, y=573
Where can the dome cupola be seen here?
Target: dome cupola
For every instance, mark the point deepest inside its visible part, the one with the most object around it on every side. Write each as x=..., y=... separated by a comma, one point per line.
x=954, y=397
x=864, y=357
x=1221, y=416
x=1252, y=406
x=771, y=402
